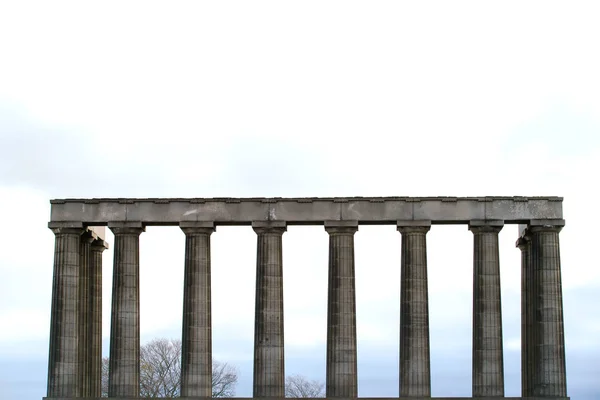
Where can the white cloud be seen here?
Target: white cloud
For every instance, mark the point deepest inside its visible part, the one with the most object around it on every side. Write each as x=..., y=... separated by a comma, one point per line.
x=25, y=325
x=298, y=99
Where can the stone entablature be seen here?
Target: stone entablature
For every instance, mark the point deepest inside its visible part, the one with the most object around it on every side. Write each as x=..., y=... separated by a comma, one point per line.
x=309, y=210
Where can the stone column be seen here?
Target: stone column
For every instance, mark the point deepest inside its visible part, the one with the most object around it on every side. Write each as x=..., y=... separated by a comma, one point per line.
x=124, y=367
x=524, y=244
x=415, y=371
x=95, y=324
x=341, y=311
x=84, y=312
x=548, y=342
x=488, y=360
x=196, y=351
x=63, y=361
x=269, y=373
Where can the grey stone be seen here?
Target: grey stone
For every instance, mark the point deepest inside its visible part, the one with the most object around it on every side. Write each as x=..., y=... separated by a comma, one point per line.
x=84, y=322
x=488, y=359
x=415, y=368
x=63, y=364
x=547, y=345
x=524, y=244
x=341, y=367
x=95, y=325
x=269, y=363
x=75, y=337
x=196, y=351
x=124, y=365
x=368, y=210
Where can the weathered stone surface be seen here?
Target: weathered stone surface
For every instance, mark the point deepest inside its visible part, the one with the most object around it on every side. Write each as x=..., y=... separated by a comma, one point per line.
x=63, y=362
x=124, y=366
x=75, y=338
x=415, y=371
x=524, y=244
x=84, y=322
x=95, y=325
x=548, y=376
x=342, y=373
x=269, y=365
x=488, y=360
x=196, y=351
x=371, y=210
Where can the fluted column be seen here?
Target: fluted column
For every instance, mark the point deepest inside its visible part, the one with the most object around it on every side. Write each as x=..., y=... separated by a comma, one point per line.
x=488, y=360
x=63, y=361
x=548, y=358
x=415, y=370
x=524, y=244
x=341, y=380
x=84, y=312
x=95, y=323
x=196, y=351
x=269, y=373
x=124, y=366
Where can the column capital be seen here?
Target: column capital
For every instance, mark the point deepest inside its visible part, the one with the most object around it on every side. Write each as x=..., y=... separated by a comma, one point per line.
x=69, y=227
x=67, y=231
x=523, y=241
x=347, y=227
x=197, y=227
x=546, y=225
x=99, y=245
x=486, y=225
x=88, y=236
x=126, y=227
x=413, y=226
x=273, y=227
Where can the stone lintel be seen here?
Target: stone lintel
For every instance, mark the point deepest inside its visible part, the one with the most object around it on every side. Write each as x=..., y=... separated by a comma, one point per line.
x=307, y=211
x=166, y=200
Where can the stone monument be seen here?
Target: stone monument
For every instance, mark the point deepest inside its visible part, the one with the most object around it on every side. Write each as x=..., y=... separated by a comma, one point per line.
x=75, y=356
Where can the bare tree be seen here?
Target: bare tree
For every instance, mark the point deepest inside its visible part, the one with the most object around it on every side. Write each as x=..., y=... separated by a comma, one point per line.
x=300, y=386
x=160, y=368
x=104, y=376
x=224, y=379
x=160, y=371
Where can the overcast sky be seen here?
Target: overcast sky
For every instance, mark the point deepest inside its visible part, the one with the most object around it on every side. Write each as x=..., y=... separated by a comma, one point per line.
x=302, y=98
